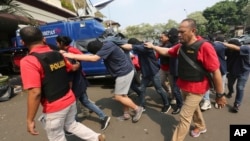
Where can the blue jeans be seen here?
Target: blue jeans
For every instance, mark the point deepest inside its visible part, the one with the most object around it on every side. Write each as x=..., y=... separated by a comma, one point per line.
x=134, y=85
x=207, y=94
x=91, y=106
x=158, y=87
x=176, y=91
x=241, y=82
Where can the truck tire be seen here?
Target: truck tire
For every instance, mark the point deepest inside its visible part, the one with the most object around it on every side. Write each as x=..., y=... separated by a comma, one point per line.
x=5, y=89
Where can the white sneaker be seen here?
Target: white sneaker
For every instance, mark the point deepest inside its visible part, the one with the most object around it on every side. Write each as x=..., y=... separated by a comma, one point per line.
x=173, y=101
x=206, y=105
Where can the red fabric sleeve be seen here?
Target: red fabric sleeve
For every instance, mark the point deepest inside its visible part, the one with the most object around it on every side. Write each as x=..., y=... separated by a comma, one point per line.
x=31, y=68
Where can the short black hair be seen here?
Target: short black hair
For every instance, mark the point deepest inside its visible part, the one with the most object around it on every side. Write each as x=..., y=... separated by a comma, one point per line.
x=220, y=38
x=235, y=42
x=134, y=41
x=31, y=35
x=63, y=40
x=173, y=35
x=94, y=46
x=165, y=33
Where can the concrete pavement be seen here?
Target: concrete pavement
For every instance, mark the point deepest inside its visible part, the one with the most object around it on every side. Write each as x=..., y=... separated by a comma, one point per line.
x=153, y=125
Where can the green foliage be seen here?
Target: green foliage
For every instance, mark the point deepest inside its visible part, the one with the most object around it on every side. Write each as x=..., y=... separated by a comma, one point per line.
x=200, y=21
x=171, y=24
x=225, y=14
x=148, y=32
x=246, y=11
x=67, y=4
x=219, y=18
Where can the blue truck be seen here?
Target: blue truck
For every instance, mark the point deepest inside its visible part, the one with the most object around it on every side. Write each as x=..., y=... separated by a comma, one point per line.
x=80, y=29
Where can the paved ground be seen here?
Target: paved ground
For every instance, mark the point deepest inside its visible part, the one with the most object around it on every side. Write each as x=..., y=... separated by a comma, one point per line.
x=153, y=126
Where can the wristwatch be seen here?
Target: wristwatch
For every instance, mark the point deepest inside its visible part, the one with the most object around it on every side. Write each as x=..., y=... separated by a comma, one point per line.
x=218, y=95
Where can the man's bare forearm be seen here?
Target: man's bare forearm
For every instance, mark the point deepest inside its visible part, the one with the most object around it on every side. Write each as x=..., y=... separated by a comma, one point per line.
x=34, y=98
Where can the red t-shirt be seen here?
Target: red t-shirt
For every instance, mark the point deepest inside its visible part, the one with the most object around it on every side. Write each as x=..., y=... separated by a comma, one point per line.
x=32, y=75
x=73, y=50
x=208, y=58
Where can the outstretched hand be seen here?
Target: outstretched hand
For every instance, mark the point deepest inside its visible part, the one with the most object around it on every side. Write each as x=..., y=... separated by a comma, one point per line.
x=67, y=54
x=148, y=45
x=220, y=102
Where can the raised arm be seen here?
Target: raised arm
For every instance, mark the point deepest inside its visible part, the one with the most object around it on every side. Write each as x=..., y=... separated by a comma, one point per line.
x=232, y=46
x=82, y=57
x=126, y=46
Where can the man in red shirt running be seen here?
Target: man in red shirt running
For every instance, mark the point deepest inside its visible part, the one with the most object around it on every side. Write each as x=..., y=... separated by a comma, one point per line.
x=192, y=83
x=45, y=77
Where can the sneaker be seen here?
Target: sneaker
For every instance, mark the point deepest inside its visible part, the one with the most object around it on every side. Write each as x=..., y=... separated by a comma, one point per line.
x=144, y=109
x=176, y=111
x=138, y=114
x=173, y=101
x=166, y=108
x=206, y=105
x=17, y=89
x=229, y=95
x=101, y=137
x=197, y=134
x=235, y=109
x=105, y=122
x=68, y=133
x=124, y=117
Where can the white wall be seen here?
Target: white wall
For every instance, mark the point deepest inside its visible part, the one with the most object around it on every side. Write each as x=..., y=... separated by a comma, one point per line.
x=40, y=14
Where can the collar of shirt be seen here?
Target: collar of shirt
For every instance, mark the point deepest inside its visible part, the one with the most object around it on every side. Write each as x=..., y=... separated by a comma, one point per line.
x=40, y=48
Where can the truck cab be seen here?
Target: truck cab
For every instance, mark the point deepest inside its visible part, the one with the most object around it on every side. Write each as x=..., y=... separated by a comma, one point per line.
x=10, y=52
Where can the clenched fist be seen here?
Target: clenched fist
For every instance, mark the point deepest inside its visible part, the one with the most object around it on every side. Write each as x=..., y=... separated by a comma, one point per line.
x=220, y=102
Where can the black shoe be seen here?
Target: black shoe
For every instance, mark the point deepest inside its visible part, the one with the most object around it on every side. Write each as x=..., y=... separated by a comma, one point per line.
x=105, y=123
x=68, y=133
x=166, y=108
x=176, y=111
x=235, y=109
x=229, y=95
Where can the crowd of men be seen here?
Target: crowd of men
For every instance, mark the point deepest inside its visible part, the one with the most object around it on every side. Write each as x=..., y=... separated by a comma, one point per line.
x=190, y=66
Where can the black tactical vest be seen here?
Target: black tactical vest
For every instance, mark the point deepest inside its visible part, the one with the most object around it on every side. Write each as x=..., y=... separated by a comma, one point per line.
x=164, y=60
x=185, y=70
x=56, y=80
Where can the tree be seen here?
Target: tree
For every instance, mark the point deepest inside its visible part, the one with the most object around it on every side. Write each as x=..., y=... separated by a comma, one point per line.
x=200, y=21
x=225, y=14
x=246, y=11
x=148, y=32
x=170, y=24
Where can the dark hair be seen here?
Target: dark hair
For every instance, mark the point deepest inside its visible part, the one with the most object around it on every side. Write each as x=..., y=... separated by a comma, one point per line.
x=220, y=38
x=64, y=40
x=165, y=33
x=173, y=35
x=235, y=42
x=134, y=41
x=208, y=37
x=191, y=22
x=31, y=35
x=94, y=46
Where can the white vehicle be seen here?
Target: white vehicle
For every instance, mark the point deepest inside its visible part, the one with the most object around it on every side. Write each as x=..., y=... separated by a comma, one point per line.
x=244, y=39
